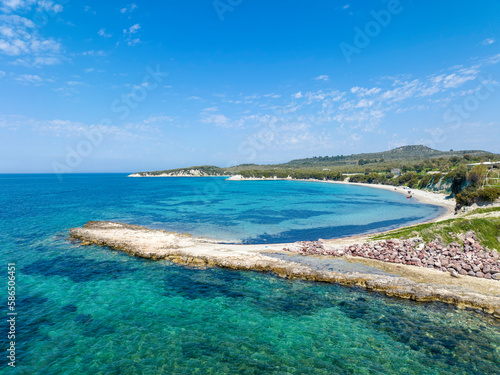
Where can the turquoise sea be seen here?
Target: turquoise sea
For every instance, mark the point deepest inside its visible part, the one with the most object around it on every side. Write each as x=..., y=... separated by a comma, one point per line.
x=90, y=310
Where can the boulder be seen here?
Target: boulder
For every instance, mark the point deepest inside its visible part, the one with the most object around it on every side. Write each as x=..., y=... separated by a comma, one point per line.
x=453, y=273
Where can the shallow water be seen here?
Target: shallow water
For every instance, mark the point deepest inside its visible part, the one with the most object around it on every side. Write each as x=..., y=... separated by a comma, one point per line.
x=249, y=211
x=90, y=310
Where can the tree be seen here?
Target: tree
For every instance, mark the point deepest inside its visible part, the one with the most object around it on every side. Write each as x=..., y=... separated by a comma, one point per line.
x=459, y=178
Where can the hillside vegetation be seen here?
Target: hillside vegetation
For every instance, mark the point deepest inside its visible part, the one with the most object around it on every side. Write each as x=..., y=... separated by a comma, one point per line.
x=487, y=229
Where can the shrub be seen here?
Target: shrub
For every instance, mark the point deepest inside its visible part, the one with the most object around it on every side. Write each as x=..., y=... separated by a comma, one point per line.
x=466, y=197
x=425, y=181
x=489, y=194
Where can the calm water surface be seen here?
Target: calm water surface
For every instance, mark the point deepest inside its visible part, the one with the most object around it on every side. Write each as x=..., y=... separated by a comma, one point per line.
x=90, y=310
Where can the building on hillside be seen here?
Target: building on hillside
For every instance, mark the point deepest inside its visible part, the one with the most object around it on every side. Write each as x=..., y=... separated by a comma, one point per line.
x=396, y=171
x=491, y=164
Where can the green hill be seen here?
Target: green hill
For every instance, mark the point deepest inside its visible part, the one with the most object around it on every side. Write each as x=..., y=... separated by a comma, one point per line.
x=415, y=157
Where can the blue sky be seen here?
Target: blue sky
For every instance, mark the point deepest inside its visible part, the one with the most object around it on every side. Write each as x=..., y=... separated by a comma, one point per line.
x=130, y=86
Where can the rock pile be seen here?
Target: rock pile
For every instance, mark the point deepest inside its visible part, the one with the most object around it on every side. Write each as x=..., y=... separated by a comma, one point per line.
x=470, y=258
x=310, y=247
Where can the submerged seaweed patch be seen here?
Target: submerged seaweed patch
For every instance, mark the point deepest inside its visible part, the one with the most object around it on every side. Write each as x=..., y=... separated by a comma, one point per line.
x=421, y=333
x=77, y=268
x=211, y=283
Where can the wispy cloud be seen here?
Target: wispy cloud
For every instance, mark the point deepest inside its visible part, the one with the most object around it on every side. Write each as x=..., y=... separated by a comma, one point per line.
x=488, y=41
x=37, y=5
x=157, y=119
x=74, y=83
x=131, y=41
x=322, y=77
x=75, y=129
x=94, y=53
x=31, y=79
x=220, y=120
x=19, y=38
x=128, y=8
x=132, y=29
x=356, y=110
x=102, y=32
x=360, y=91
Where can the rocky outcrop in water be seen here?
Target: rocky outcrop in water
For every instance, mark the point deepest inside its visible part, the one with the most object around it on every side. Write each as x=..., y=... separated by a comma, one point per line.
x=198, y=252
x=470, y=258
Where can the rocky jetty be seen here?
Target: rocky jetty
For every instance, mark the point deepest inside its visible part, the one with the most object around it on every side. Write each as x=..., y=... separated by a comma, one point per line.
x=465, y=292
x=469, y=259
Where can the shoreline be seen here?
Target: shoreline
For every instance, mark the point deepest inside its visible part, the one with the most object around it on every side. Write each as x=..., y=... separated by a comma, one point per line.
x=394, y=280
x=425, y=197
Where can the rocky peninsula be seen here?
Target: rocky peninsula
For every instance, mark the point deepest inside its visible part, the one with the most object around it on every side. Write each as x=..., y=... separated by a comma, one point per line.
x=323, y=262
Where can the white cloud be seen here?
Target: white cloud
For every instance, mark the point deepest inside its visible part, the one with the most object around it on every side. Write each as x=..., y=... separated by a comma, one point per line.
x=37, y=61
x=19, y=38
x=102, y=32
x=488, y=41
x=94, y=53
x=322, y=77
x=460, y=77
x=128, y=8
x=28, y=5
x=29, y=78
x=360, y=91
x=133, y=42
x=357, y=110
x=219, y=120
x=2, y=74
x=403, y=90
x=77, y=130
x=157, y=119
x=364, y=103
x=132, y=29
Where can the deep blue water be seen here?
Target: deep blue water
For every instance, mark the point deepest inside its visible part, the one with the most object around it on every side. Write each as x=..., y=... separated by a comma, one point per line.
x=90, y=310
